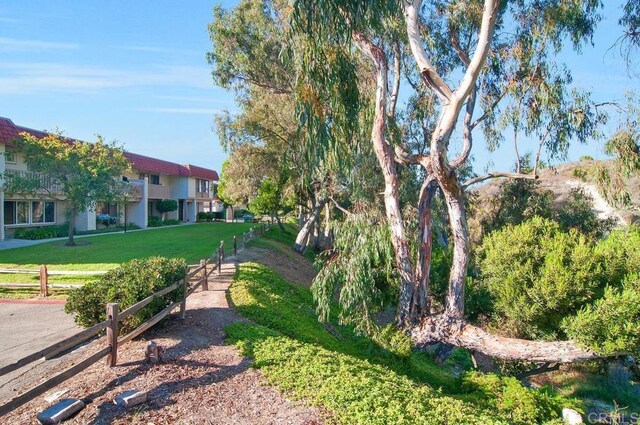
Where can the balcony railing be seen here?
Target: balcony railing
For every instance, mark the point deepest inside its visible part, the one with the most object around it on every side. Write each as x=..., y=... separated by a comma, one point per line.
x=136, y=187
x=45, y=183
x=203, y=195
x=158, y=191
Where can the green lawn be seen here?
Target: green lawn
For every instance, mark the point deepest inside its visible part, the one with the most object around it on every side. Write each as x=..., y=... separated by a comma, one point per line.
x=191, y=242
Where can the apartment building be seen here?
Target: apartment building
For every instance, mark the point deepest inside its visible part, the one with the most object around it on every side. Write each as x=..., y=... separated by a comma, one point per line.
x=151, y=180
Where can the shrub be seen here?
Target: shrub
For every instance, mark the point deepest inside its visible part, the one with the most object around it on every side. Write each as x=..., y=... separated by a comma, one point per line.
x=620, y=254
x=577, y=213
x=612, y=323
x=153, y=221
x=171, y=222
x=508, y=397
x=167, y=205
x=36, y=233
x=106, y=219
x=205, y=216
x=586, y=158
x=536, y=274
x=129, y=283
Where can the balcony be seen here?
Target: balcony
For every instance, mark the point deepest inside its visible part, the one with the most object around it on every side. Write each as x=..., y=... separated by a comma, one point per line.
x=158, y=191
x=136, y=187
x=44, y=183
x=203, y=195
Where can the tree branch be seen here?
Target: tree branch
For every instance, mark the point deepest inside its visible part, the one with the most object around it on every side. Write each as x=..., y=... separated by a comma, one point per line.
x=391, y=112
x=489, y=176
x=467, y=136
x=427, y=71
x=489, y=16
x=344, y=210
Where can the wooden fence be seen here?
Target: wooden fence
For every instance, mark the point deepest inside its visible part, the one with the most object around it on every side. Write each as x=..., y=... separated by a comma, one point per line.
x=196, y=276
x=44, y=274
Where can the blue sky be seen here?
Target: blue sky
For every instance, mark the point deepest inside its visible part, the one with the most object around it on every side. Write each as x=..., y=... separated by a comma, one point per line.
x=136, y=72
x=130, y=71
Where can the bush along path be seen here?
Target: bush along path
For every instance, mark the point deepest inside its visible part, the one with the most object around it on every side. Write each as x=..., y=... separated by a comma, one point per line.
x=199, y=380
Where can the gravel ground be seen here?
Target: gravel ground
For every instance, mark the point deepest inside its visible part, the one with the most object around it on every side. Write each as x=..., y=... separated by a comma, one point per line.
x=199, y=381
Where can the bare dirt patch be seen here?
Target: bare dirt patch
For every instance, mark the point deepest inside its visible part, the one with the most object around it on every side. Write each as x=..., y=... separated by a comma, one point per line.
x=291, y=266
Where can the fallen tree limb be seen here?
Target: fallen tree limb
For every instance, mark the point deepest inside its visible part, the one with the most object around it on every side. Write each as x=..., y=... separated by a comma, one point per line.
x=442, y=328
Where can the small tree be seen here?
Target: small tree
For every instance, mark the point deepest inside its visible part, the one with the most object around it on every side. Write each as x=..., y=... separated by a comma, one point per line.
x=77, y=172
x=269, y=201
x=167, y=205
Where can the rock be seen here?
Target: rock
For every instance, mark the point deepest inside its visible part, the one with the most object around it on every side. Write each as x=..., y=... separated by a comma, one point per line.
x=130, y=398
x=51, y=398
x=60, y=411
x=571, y=417
x=154, y=352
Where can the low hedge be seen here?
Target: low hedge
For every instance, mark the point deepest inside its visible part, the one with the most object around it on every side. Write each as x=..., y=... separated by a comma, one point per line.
x=131, y=282
x=153, y=221
x=37, y=233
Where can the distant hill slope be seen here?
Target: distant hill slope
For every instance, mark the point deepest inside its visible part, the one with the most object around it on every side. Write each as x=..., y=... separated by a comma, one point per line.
x=561, y=179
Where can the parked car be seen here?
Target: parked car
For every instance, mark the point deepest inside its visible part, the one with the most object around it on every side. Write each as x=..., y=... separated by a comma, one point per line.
x=248, y=218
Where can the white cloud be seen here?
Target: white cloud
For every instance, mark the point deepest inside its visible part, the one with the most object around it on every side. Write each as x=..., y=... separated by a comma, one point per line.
x=199, y=111
x=155, y=49
x=14, y=44
x=55, y=77
x=196, y=99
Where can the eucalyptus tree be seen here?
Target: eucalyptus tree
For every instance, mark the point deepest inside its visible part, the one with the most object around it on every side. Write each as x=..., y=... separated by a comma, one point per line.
x=502, y=56
x=251, y=55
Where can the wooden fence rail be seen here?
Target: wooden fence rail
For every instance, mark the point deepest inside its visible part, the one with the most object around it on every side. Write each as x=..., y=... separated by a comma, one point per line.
x=202, y=271
x=44, y=273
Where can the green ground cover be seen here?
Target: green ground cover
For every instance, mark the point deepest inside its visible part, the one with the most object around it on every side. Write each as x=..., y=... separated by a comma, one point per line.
x=367, y=380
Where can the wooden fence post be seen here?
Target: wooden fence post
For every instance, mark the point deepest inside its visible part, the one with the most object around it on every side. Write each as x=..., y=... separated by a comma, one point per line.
x=205, y=280
x=183, y=304
x=235, y=246
x=219, y=260
x=113, y=309
x=222, y=249
x=44, y=281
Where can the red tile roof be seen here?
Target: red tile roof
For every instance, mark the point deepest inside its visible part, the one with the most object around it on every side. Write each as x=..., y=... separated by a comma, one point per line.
x=8, y=131
x=145, y=164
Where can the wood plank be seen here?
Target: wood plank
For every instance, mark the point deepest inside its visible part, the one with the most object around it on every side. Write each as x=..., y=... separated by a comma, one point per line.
x=56, y=348
x=50, y=383
x=193, y=272
x=140, y=304
x=19, y=271
x=148, y=324
x=55, y=272
x=37, y=285
x=194, y=287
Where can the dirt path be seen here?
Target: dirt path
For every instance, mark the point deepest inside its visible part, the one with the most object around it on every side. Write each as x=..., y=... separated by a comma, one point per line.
x=200, y=381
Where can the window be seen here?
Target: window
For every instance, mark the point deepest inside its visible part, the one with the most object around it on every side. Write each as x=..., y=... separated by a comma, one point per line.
x=9, y=212
x=202, y=185
x=105, y=208
x=22, y=212
x=153, y=178
x=10, y=157
x=29, y=212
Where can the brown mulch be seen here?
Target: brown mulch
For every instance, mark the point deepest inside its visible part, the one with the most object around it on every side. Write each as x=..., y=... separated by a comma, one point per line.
x=199, y=381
